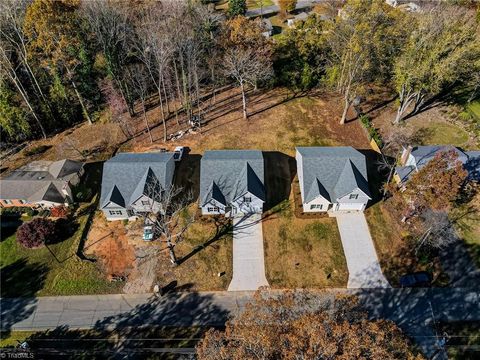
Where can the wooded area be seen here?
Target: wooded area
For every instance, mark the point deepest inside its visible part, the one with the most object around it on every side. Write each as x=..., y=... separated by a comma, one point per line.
x=63, y=62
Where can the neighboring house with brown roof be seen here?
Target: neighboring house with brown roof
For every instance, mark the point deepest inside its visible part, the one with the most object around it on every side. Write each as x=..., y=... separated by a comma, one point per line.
x=41, y=183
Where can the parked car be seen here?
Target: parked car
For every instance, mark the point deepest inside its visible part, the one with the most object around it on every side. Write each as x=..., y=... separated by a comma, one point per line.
x=178, y=153
x=148, y=233
x=417, y=279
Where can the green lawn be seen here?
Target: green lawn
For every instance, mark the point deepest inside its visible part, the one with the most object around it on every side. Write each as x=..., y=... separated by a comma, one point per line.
x=474, y=109
x=443, y=134
x=302, y=253
x=52, y=270
x=254, y=4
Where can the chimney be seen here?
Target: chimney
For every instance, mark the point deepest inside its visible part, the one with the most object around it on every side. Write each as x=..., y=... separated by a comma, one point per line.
x=405, y=155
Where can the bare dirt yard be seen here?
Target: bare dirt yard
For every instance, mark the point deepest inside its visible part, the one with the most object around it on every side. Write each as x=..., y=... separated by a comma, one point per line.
x=111, y=245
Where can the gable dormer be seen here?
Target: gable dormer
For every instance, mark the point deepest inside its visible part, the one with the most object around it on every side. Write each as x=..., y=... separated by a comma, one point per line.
x=114, y=198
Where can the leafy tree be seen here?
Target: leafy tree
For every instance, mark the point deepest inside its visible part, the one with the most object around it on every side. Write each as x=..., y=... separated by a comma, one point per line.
x=299, y=325
x=237, y=7
x=13, y=118
x=443, y=50
x=300, y=54
x=55, y=32
x=36, y=233
x=362, y=42
x=287, y=6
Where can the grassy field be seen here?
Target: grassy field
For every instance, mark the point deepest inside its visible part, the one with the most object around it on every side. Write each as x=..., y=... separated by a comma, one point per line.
x=50, y=270
x=443, y=134
x=474, y=109
x=303, y=253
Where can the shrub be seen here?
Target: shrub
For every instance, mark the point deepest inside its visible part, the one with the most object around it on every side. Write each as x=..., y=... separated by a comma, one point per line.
x=35, y=233
x=372, y=132
x=59, y=212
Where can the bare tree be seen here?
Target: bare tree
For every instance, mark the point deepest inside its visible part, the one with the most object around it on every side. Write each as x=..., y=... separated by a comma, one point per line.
x=438, y=231
x=154, y=51
x=168, y=211
x=140, y=81
x=246, y=66
x=109, y=21
x=8, y=69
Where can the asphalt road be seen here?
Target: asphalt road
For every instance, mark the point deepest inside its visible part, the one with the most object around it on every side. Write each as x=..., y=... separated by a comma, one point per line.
x=416, y=311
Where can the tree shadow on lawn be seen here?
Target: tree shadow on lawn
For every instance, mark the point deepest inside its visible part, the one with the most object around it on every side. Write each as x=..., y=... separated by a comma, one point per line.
x=175, y=320
x=19, y=282
x=223, y=227
x=9, y=225
x=90, y=183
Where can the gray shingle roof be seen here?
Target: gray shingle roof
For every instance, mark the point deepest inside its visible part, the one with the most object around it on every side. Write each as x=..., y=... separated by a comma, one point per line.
x=332, y=172
x=130, y=173
x=423, y=154
x=39, y=180
x=227, y=174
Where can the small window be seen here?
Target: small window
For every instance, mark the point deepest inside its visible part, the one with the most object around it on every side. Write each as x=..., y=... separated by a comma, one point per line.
x=247, y=199
x=353, y=196
x=145, y=203
x=213, y=209
x=316, y=206
x=21, y=201
x=115, y=212
x=8, y=202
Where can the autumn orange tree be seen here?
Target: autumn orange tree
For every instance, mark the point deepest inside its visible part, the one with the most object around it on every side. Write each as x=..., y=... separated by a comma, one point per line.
x=436, y=185
x=287, y=6
x=300, y=325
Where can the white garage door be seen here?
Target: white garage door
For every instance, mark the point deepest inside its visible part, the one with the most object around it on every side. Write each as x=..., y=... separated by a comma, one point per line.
x=349, y=206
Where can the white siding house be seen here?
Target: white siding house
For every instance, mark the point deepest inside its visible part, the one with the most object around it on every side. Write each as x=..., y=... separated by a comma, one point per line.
x=133, y=183
x=232, y=182
x=332, y=179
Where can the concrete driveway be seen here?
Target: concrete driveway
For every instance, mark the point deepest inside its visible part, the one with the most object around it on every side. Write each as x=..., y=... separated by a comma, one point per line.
x=248, y=258
x=363, y=267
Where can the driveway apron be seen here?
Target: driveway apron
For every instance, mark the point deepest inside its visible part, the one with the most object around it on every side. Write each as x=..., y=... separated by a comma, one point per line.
x=362, y=262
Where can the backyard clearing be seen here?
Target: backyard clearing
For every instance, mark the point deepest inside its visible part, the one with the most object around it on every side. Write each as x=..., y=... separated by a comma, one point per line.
x=430, y=127
x=279, y=121
x=302, y=253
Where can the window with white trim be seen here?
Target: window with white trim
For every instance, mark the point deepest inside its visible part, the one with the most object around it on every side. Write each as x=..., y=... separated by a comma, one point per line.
x=115, y=212
x=247, y=199
x=213, y=209
x=145, y=202
x=8, y=202
x=353, y=196
x=21, y=201
x=316, y=206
